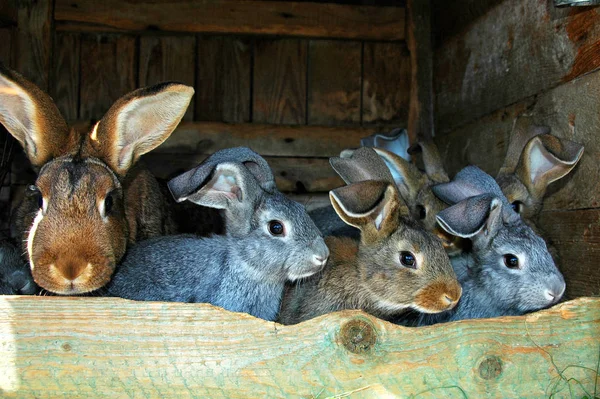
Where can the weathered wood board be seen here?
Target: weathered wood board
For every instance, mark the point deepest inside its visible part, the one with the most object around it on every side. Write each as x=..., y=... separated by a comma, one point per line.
x=514, y=50
x=6, y=50
x=237, y=16
x=571, y=110
x=279, y=82
x=103, y=347
x=65, y=74
x=223, y=79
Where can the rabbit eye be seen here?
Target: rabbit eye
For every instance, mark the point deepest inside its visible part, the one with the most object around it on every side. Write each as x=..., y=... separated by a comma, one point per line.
x=407, y=259
x=35, y=192
x=511, y=261
x=516, y=206
x=422, y=212
x=108, y=203
x=276, y=228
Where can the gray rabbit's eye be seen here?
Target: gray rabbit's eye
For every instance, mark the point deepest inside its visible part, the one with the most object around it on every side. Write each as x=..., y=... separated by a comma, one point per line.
x=407, y=259
x=422, y=212
x=516, y=206
x=276, y=228
x=511, y=261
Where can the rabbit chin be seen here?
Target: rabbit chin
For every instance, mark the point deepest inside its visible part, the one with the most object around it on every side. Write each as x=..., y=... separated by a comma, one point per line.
x=304, y=274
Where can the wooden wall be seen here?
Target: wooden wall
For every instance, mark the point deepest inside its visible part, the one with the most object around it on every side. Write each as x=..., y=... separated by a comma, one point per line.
x=496, y=61
x=298, y=82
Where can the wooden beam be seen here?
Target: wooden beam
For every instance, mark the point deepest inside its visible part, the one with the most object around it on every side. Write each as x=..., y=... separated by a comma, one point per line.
x=112, y=348
x=511, y=52
x=237, y=16
x=420, y=113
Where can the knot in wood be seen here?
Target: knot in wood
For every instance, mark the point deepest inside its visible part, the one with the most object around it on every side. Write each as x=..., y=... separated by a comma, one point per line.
x=358, y=336
x=490, y=368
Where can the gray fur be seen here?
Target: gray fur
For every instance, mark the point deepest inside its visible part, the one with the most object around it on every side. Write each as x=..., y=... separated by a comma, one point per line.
x=490, y=288
x=15, y=275
x=330, y=224
x=243, y=272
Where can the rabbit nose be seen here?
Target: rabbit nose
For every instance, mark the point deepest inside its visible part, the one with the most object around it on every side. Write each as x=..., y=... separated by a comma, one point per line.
x=319, y=260
x=554, y=294
x=71, y=270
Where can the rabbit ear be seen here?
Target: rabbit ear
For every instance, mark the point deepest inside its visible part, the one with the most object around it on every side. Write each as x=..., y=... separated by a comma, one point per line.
x=32, y=118
x=472, y=216
x=139, y=122
x=523, y=130
x=225, y=186
x=372, y=206
x=469, y=182
x=434, y=167
x=539, y=166
x=360, y=165
x=407, y=177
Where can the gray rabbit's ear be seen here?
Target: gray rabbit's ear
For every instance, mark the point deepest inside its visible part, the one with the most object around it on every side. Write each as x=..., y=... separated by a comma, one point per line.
x=408, y=178
x=360, y=165
x=545, y=159
x=432, y=161
x=524, y=129
x=372, y=206
x=469, y=182
x=472, y=216
x=227, y=185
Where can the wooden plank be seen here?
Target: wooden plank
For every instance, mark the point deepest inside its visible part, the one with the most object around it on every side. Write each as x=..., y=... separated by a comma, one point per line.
x=453, y=18
x=576, y=234
x=279, y=94
x=66, y=69
x=168, y=58
x=35, y=41
x=570, y=110
x=292, y=175
x=268, y=140
x=334, y=79
x=223, y=79
x=240, y=17
x=386, y=83
x=6, y=50
x=108, y=71
x=112, y=348
x=512, y=52
x=420, y=115
x=8, y=13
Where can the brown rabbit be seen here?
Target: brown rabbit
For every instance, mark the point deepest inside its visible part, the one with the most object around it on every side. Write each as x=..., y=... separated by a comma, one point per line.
x=396, y=266
x=88, y=203
x=534, y=159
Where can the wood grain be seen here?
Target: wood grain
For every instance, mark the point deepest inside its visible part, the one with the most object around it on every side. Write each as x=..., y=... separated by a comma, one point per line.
x=8, y=14
x=223, y=79
x=292, y=175
x=570, y=110
x=515, y=50
x=268, y=140
x=576, y=234
x=420, y=115
x=239, y=17
x=168, y=58
x=279, y=94
x=65, y=74
x=6, y=50
x=334, y=80
x=108, y=71
x=386, y=83
x=103, y=347
x=35, y=41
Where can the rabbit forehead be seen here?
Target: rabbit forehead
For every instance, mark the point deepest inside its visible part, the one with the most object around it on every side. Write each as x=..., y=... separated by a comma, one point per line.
x=278, y=207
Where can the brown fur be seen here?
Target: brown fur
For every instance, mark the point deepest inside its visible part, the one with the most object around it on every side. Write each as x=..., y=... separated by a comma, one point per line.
x=75, y=246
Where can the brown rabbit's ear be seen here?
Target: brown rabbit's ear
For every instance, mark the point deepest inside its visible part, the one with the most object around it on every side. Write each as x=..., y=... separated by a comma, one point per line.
x=139, y=122
x=472, y=216
x=359, y=165
x=372, y=206
x=523, y=130
x=32, y=118
x=409, y=180
x=432, y=161
x=546, y=159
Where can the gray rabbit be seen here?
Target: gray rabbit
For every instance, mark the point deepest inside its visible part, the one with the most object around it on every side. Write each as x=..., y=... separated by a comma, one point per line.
x=15, y=276
x=509, y=270
x=270, y=239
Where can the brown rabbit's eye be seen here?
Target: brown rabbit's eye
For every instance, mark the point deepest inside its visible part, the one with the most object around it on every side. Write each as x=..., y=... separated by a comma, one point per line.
x=422, y=212
x=108, y=204
x=408, y=260
x=35, y=192
x=516, y=206
x=276, y=228
x=511, y=261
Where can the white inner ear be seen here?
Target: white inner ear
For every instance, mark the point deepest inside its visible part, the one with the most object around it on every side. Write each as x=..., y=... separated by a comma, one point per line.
x=146, y=122
x=17, y=113
x=220, y=190
x=541, y=161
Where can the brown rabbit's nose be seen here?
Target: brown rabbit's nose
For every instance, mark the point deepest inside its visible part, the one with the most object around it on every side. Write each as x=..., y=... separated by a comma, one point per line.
x=450, y=300
x=70, y=270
